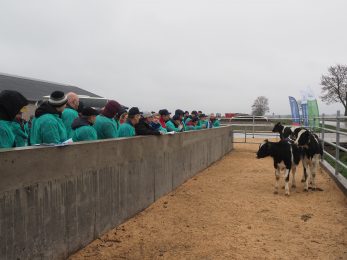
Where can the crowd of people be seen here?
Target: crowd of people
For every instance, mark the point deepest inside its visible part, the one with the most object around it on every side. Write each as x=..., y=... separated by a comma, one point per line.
x=63, y=118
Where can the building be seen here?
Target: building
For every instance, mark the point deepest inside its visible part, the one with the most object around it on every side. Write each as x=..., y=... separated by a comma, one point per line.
x=34, y=90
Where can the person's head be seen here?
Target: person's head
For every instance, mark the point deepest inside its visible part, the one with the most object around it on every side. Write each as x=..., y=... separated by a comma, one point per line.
x=164, y=114
x=148, y=116
x=194, y=113
x=121, y=112
x=179, y=113
x=19, y=116
x=212, y=116
x=186, y=114
x=58, y=100
x=73, y=100
x=194, y=120
x=203, y=117
x=11, y=102
x=111, y=109
x=177, y=118
x=134, y=115
x=156, y=118
x=90, y=114
x=123, y=117
x=199, y=113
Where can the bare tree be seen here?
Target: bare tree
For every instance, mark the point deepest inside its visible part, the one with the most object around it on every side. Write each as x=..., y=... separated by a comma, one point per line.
x=260, y=106
x=335, y=85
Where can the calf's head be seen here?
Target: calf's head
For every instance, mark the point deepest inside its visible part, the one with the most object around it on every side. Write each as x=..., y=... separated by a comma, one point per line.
x=264, y=149
x=277, y=128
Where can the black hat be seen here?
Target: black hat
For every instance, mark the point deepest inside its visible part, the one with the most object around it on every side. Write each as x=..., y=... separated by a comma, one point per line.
x=80, y=107
x=134, y=111
x=203, y=115
x=194, y=112
x=179, y=112
x=89, y=111
x=164, y=112
x=11, y=102
x=176, y=117
x=57, y=99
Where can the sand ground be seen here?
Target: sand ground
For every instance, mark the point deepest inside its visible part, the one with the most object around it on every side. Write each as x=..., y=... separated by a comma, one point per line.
x=229, y=211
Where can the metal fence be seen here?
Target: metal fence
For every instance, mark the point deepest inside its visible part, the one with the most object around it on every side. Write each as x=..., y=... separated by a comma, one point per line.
x=338, y=135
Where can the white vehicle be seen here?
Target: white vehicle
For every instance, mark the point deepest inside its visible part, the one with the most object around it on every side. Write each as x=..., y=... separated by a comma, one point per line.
x=250, y=118
x=88, y=101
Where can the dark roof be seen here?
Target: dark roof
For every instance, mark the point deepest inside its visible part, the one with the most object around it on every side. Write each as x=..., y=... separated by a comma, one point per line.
x=34, y=89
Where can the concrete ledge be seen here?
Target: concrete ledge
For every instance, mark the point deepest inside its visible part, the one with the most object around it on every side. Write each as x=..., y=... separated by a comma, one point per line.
x=340, y=180
x=56, y=200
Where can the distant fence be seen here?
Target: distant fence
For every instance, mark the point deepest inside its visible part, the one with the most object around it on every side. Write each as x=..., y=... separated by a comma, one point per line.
x=56, y=200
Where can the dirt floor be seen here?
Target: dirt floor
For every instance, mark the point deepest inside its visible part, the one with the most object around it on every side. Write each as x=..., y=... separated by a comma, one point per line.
x=229, y=211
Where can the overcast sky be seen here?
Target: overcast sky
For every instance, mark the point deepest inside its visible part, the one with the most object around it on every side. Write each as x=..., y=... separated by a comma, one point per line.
x=215, y=56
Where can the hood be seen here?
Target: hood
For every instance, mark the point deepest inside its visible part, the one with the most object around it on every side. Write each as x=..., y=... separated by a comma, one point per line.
x=11, y=102
x=80, y=121
x=46, y=108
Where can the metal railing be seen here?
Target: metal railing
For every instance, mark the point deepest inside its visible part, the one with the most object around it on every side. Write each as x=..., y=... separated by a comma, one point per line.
x=337, y=132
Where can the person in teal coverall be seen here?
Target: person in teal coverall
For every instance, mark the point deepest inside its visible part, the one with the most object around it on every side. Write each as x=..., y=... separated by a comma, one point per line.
x=82, y=129
x=105, y=124
x=47, y=126
x=128, y=128
x=11, y=102
x=70, y=112
x=176, y=124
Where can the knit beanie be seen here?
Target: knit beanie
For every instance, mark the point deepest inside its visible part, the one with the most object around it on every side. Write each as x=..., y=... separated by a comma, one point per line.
x=57, y=99
x=111, y=109
x=11, y=102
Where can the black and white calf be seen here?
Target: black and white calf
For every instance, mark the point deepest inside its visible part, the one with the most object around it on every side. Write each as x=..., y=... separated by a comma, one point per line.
x=285, y=156
x=312, y=150
x=284, y=131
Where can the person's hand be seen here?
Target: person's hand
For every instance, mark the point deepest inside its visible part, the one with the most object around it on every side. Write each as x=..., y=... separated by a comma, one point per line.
x=161, y=132
x=180, y=127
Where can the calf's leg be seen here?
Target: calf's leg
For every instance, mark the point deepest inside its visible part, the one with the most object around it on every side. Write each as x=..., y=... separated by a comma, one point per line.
x=306, y=173
x=315, y=162
x=293, y=176
x=286, y=180
x=277, y=175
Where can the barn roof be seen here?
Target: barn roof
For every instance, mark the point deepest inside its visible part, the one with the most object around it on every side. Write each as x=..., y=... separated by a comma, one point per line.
x=34, y=89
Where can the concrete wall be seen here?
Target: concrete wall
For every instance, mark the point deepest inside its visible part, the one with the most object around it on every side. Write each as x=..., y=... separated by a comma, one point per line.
x=55, y=200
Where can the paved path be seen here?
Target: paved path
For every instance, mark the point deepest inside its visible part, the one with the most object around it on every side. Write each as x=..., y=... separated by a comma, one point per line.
x=229, y=211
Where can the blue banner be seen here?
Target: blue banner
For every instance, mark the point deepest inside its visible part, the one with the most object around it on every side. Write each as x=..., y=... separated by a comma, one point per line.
x=295, y=111
x=304, y=114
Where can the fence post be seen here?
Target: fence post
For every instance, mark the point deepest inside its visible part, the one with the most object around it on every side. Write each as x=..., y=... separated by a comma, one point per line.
x=337, y=155
x=322, y=134
x=253, y=125
x=245, y=134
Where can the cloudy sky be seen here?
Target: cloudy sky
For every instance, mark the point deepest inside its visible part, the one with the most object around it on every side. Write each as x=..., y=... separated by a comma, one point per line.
x=217, y=56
